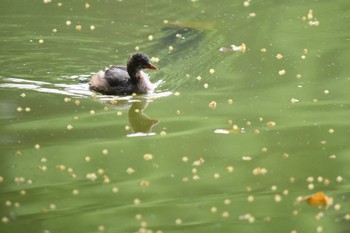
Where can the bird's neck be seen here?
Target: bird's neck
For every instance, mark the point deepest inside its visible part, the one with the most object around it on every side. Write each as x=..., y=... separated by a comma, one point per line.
x=134, y=73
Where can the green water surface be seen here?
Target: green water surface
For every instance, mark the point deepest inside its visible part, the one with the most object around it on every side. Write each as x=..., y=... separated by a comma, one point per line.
x=230, y=141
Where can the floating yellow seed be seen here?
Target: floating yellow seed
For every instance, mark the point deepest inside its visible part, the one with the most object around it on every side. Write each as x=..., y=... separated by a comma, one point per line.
x=178, y=221
x=75, y=192
x=115, y=189
x=155, y=59
x=250, y=198
x=105, y=151
x=278, y=198
x=60, y=167
x=5, y=219
x=148, y=156
x=252, y=14
x=199, y=162
x=339, y=179
x=101, y=228
x=264, y=149
x=144, y=183
x=279, y=56
x=130, y=170
x=319, y=200
x=259, y=171
x=282, y=72
x=225, y=214
x=212, y=105
x=137, y=201
x=271, y=123
x=230, y=169
x=185, y=159
x=310, y=14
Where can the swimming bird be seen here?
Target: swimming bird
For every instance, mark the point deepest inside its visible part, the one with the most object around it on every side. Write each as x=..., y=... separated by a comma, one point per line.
x=124, y=80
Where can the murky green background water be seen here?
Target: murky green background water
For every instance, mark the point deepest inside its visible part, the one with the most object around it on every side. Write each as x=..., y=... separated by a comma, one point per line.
x=278, y=128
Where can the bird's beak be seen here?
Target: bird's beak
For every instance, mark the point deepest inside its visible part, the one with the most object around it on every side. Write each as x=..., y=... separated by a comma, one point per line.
x=152, y=67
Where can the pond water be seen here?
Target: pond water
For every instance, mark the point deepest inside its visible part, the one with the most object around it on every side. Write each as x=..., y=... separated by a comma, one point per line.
x=250, y=118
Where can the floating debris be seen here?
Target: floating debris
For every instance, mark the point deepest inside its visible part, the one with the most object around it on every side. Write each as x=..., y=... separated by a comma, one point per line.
x=247, y=217
x=312, y=21
x=294, y=100
x=91, y=176
x=233, y=48
x=228, y=131
x=221, y=131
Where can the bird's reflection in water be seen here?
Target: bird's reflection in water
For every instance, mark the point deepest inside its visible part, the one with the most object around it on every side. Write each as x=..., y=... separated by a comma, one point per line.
x=140, y=123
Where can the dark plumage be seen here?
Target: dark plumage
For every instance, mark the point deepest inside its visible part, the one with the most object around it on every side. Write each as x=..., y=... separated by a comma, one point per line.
x=124, y=80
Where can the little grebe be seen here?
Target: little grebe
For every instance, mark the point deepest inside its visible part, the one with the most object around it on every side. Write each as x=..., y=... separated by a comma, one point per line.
x=124, y=80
